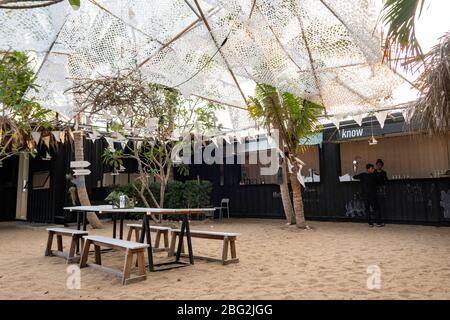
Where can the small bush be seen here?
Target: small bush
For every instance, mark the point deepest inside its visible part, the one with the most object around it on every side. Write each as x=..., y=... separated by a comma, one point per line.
x=190, y=194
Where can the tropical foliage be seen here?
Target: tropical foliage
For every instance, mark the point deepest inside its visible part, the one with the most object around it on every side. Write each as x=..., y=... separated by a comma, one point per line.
x=171, y=114
x=188, y=194
x=400, y=42
x=19, y=115
x=431, y=111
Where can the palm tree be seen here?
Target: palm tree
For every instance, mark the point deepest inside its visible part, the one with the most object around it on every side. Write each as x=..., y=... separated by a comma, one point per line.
x=295, y=118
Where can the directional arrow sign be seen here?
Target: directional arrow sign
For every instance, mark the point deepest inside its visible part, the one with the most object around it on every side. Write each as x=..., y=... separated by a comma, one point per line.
x=81, y=172
x=79, y=164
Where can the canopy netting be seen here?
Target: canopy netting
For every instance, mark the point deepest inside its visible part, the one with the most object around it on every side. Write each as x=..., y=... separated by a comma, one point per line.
x=322, y=50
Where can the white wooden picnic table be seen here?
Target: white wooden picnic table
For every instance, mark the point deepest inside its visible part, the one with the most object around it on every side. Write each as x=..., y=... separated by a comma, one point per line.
x=146, y=212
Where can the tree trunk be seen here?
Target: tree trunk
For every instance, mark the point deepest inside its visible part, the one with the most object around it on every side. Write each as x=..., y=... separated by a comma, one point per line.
x=297, y=198
x=81, y=183
x=162, y=193
x=285, y=197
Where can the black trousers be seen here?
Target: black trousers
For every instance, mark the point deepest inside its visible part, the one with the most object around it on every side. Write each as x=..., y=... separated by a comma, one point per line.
x=372, y=203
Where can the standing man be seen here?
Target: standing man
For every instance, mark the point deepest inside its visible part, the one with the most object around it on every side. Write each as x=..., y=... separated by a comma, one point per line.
x=380, y=173
x=381, y=184
x=369, y=183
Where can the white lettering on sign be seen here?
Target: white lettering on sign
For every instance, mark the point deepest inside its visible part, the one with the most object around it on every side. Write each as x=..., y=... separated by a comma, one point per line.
x=79, y=164
x=351, y=133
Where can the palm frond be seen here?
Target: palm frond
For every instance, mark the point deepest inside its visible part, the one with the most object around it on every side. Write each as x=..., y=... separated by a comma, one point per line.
x=400, y=43
x=431, y=111
x=295, y=117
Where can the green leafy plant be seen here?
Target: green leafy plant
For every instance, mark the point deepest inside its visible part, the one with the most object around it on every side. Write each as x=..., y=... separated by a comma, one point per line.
x=113, y=158
x=19, y=115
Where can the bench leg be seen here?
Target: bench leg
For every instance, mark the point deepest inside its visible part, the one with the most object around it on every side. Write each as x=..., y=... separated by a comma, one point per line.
x=137, y=235
x=48, y=250
x=59, y=242
x=73, y=247
x=130, y=233
x=98, y=256
x=141, y=262
x=85, y=254
x=166, y=239
x=82, y=245
x=225, y=250
x=173, y=240
x=127, y=266
x=233, y=249
x=157, y=239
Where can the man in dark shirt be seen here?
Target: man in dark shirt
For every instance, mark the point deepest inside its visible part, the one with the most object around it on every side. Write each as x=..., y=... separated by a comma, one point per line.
x=369, y=183
x=380, y=173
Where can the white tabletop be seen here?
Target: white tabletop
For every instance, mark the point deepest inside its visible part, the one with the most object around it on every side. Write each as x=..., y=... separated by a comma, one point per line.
x=109, y=208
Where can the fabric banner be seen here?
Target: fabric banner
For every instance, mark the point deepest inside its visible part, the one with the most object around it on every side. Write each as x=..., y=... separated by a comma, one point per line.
x=57, y=135
x=36, y=136
x=358, y=119
x=335, y=120
x=46, y=140
x=110, y=142
x=381, y=117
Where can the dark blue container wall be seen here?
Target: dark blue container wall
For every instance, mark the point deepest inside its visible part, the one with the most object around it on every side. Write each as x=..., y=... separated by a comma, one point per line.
x=407, y=201
x=8, y=188
x=44, y=205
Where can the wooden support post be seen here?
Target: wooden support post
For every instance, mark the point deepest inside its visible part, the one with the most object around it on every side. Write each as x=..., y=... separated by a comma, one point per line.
x=141, y=263
x=59, y=242
x=73, y=247
x=48, y=250
x=225, y=250
x=85, y=254
x=166, y=239
x=127, y=266
x=98, y=255
x=130, y=233
x=157, y=239
x=136, y=234
x=233, y=248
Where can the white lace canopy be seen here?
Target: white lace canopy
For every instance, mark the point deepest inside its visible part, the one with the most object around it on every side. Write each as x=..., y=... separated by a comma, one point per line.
x=322, y=50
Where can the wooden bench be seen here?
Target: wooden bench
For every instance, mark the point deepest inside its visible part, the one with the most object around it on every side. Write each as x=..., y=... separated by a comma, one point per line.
x=229, y=240
x=76, y=236
x=130, y=248
x=160, y=230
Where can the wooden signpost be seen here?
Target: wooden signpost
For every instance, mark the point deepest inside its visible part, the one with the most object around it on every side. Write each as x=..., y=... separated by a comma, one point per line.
x=78, y=168
x=81, y=172
x=79, y=164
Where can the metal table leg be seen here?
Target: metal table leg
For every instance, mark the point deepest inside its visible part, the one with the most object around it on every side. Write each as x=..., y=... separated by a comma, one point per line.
x=121, y=227
x=189, y=240
x=146, y=234
x=180, y=240
x=78, y=228
x=84, y=220
x=113, y=216
x=78, y=220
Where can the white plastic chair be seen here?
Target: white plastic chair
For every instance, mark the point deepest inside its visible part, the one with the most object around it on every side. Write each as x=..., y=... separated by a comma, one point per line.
x=224, y=204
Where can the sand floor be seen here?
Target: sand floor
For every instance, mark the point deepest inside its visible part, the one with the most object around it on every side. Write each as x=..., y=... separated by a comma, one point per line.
x=276, y=262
